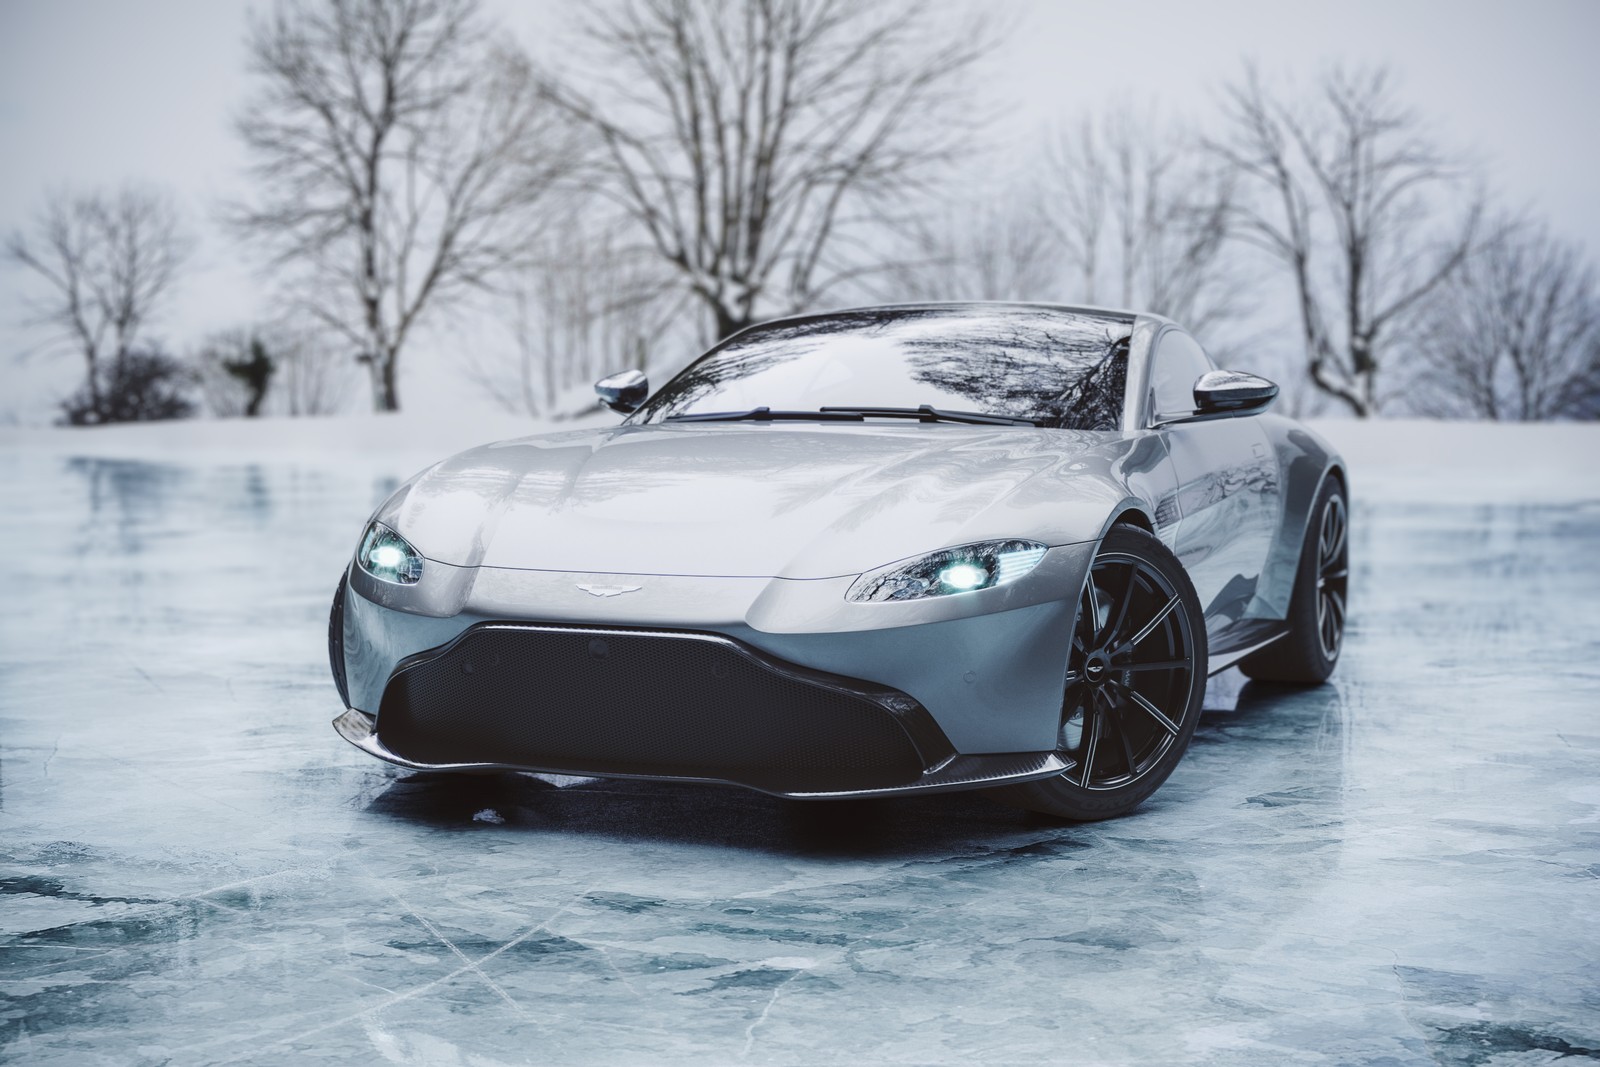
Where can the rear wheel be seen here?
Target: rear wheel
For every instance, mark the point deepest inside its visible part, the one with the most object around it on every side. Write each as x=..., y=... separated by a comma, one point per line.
x=1310, y=650
x=1135, y=681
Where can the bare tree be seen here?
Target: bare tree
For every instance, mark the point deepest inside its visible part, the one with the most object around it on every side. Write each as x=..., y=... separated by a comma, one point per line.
x=313, y=376
x=990, y=247
x=750, y=140
x=109, y=261
x=400, y=157
x=589, y=306
x=1515, y=333
x=1141, y=212
x=1352, y=202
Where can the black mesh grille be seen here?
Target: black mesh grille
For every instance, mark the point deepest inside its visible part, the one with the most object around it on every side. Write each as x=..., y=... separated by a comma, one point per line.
x=622, y=702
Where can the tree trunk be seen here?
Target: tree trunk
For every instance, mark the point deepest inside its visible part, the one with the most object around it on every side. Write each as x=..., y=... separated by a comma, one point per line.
x=380, y=365
x=89, y=356
x=728, y=322
x=389, y=399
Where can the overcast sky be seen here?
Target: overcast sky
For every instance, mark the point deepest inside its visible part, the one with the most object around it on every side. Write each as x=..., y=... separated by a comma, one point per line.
x=94, y=91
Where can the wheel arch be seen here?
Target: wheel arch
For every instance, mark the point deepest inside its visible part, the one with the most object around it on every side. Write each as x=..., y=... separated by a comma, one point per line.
x=1133, y=517
x=1128, y=513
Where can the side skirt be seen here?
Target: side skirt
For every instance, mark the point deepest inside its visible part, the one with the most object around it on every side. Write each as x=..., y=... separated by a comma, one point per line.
x=1255, y=641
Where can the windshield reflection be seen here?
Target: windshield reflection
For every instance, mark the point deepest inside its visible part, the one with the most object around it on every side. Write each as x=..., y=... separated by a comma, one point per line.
x=1065, y=369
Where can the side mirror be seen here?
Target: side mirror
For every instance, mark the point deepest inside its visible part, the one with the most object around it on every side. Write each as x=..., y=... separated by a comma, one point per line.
x=1221, y=394
x=624, y=391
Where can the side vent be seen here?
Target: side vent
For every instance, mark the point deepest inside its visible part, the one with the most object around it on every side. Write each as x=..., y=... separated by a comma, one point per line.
x=1167, y=511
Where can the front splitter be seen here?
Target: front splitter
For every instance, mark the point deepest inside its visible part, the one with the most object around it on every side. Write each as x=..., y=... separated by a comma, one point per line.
x=956, y=772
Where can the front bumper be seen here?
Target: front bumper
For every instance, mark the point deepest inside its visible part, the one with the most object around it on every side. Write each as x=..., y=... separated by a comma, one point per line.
x=964, y=691
x=665, y=705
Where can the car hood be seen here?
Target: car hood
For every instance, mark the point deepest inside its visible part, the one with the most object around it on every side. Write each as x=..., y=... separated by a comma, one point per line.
x=778, y=500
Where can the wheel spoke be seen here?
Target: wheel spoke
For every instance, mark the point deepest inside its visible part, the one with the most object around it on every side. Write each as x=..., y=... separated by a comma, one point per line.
x=1114, y=719
x=1114, y=622
x=1334, y=576
x=1147, y=628
x=1332, y=542
x=1094, y=605
x=1150, y=709
x=1330, y=620
x=1335, y=618
x=1092, y=718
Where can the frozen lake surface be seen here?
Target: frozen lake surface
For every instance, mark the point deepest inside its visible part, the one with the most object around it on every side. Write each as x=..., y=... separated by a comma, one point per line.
x=1399, y=867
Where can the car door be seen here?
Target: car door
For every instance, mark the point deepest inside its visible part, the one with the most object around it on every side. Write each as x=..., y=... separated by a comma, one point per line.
x=1229, y=493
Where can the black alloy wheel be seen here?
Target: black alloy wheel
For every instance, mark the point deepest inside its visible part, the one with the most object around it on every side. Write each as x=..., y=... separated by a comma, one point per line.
x=1307, y=654
x=1333, y=575
x=1134, y=683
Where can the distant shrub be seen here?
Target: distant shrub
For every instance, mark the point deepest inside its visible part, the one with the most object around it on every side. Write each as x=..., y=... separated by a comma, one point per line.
x=137, y=386
x=254, y=372
x=235, y=370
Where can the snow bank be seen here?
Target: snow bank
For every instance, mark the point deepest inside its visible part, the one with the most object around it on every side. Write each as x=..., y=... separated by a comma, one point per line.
x=1478, y=462
x=398, y=443
x=1425, y=459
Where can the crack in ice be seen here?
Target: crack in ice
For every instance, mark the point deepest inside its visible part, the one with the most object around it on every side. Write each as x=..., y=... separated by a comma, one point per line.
x=750, y=1031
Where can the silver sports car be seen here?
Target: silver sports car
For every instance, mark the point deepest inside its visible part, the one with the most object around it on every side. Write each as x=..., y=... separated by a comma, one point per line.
x=870, y=552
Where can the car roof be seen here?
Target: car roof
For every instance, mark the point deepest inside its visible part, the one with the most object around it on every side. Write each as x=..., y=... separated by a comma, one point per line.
x=1133, y=318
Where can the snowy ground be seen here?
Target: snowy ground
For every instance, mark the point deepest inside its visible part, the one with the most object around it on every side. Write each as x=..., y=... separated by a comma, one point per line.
x=1400, y=867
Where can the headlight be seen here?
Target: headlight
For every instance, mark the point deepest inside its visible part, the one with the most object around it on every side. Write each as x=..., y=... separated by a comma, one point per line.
x=389, y=557
x=950, y=570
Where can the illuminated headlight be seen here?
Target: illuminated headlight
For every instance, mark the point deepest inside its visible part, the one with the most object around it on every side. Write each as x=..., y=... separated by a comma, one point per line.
x=388, y=557
x=950, y=570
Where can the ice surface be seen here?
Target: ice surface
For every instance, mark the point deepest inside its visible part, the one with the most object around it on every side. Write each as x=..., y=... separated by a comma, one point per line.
x=1399, y=867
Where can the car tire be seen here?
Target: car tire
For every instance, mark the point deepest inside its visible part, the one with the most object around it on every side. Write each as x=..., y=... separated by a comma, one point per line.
x=1307, y=654
x=336, y=642
x=1135, y=681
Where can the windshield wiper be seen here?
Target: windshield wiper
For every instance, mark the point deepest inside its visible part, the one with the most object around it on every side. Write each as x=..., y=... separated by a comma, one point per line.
x=925, y=413
x=763, y=415
x=928, y=413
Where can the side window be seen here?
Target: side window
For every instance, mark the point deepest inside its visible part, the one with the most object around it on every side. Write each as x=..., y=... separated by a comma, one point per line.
x=1179, y=361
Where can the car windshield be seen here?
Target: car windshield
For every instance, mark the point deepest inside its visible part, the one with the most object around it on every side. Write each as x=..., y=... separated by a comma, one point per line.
x=1062, y=369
